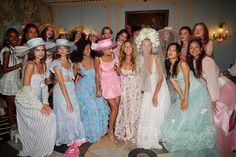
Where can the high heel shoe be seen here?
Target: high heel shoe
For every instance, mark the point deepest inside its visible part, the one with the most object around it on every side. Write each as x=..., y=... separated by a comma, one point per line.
x=14, y=135
x=111, y=135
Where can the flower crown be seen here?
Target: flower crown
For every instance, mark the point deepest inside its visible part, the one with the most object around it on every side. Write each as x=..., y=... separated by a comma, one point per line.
x=148, y=33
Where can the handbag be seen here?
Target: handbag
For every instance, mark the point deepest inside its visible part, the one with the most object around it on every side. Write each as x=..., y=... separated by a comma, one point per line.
x=73, y=150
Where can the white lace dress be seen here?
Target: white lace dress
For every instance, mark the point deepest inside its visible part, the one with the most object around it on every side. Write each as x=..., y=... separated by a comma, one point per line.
x=129, y=110
x=10, y=82
x=152, y=117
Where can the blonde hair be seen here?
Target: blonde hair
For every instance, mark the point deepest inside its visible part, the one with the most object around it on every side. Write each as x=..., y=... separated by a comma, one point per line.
x=122, y=56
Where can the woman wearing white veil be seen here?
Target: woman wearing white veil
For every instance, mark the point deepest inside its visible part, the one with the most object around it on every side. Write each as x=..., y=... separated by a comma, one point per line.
x=156, y=98
x=167, y=36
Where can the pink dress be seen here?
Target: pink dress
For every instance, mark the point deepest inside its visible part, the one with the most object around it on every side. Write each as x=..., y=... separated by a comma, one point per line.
x=110, y=81
x=223, y=91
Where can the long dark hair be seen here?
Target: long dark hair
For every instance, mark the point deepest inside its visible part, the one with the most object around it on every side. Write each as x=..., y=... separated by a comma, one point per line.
x=73, y=35
x=44, y=34
x=172, y=73
x=5, y=41
x=198, y=70
x=25, y=31
x=186, y=28
x=77, y=56
x=122, y=31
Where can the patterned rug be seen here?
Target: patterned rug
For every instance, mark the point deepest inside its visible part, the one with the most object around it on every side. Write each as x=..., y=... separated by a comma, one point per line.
x=107, y=148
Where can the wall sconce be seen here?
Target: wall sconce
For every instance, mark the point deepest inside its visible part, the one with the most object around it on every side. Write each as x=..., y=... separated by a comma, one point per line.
x=221, y=35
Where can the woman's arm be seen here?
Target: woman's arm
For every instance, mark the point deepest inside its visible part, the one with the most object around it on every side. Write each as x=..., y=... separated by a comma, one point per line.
x=160, y=80
x=185, y=68
x=63, y=88
x=29, y=69
x=211, y=71
x=209, y=48
x=6, y=58
x=76, y=72
x=75, y=68
x=177, y=88
x=97, y=77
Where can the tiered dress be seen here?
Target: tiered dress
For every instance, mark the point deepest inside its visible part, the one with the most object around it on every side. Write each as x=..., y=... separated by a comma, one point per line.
x=69, y=125
x=94, y=111
x=110, y=81
x=191, y=132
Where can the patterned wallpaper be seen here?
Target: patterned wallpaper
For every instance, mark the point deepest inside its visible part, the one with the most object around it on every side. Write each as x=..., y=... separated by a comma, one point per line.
x=17, y=13
x=74, y=1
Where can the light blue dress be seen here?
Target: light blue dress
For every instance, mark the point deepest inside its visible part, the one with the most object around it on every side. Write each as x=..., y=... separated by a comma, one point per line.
x=94, y=111
x=69, y=125
x=190, y=133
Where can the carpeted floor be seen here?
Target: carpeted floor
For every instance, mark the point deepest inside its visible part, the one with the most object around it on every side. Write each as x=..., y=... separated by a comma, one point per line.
x=102, y=148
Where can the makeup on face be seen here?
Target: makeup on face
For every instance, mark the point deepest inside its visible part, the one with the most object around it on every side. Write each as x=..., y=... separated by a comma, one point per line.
x=107, y=34
x=39, y=52
x=87, y=50
x=184, y=35
x=13, y=38
x=172, y=52
x=62, y=50
x=49, y=32
x=128, y=49
x=122, y=38
x=199, y=31
x=146, y=46
x=32, y=33
x=194, y=49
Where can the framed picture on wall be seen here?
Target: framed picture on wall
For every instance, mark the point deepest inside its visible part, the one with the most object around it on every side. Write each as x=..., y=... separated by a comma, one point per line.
x=156, y=19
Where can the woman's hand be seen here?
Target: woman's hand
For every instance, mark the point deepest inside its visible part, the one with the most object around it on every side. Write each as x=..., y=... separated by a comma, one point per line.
x=77, y=78
x=214, y=107
x=184, y=104
x=69, y=107
x=98, y=93
x=154, y=100
x=46, y=110
x=117, y=69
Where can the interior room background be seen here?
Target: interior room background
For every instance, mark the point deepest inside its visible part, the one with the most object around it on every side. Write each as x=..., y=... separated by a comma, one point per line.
x=94, y=14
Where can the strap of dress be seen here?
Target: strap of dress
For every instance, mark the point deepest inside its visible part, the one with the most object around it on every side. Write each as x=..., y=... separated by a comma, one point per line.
x=100, y=59
x=44, y=67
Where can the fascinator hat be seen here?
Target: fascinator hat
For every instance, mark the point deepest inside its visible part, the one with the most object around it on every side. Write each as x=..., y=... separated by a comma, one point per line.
x=104, y=45
x=66, y=43
x=148, y=33
x=32, y=43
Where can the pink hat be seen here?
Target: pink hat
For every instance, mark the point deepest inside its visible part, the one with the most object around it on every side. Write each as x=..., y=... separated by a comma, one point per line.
x=105, y=44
